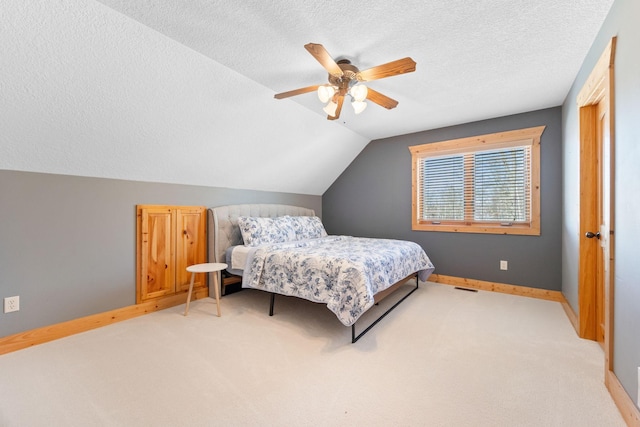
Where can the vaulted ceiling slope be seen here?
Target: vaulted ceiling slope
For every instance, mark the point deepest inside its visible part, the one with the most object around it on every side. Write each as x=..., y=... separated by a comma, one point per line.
x=182, y=91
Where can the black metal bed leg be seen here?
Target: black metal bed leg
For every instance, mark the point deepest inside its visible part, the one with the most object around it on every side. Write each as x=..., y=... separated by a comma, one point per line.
x=273, y=298
x=355, y=338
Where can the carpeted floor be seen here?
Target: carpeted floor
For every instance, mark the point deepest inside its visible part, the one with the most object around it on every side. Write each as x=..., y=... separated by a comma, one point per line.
x=444, y=357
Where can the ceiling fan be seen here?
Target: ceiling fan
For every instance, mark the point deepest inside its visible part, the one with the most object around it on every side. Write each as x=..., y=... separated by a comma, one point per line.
x=345, y=79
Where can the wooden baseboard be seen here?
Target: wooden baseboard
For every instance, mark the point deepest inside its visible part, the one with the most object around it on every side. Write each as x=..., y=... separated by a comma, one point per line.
x=573, y=317
x=627, y=408
x=60, y=330
x=498, y=287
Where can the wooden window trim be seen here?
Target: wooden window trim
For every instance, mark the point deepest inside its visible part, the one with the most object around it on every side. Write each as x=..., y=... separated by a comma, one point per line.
x=482, y=142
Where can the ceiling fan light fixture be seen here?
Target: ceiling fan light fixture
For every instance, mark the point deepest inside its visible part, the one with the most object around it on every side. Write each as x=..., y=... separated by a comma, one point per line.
x=345, y=79
x=359, y=92
x=359, y=106
x=326, y=92
x=331, y=108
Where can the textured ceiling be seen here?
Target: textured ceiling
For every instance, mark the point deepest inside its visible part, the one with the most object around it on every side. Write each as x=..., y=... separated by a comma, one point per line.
x=475, y=59
x=182, y=91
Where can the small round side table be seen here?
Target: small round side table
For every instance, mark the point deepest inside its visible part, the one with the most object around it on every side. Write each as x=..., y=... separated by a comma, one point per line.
x=211, y=267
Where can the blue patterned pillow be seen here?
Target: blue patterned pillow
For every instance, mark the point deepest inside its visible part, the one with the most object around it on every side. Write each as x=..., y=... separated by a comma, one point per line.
x=307, y=227
x=259, y=231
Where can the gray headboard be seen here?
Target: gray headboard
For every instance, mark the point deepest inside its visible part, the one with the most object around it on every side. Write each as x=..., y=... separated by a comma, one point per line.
x=223, y=224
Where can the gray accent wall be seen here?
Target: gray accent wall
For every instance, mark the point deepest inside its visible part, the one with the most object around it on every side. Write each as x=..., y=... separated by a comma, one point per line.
x=623, y=22
x=372, y=198
x=68, y=243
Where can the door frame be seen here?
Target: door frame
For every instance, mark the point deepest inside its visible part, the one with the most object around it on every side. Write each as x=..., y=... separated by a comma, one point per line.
x=598, y=89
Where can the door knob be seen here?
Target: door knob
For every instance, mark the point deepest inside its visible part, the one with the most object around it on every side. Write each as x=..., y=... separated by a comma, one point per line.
x=591, y=235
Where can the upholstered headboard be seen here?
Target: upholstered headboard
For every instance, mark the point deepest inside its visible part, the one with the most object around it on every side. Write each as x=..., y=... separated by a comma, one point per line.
x=223, y=223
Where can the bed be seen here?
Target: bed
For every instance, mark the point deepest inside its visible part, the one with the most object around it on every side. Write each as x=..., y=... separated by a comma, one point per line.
x=285, y=250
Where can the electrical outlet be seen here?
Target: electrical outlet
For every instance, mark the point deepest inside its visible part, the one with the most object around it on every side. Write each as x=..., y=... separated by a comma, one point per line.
x=504, y=265
x=11, y=304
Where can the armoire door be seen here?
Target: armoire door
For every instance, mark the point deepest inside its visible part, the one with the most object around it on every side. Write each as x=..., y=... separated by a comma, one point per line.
x=190, y=246
x=156, y=253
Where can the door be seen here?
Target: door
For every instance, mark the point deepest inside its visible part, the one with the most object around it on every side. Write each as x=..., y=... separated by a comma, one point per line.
x=595, y=284
x=592, y=222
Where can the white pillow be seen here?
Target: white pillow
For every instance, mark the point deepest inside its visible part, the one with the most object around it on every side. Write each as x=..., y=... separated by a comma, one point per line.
x=259, y=231
x=307, y=227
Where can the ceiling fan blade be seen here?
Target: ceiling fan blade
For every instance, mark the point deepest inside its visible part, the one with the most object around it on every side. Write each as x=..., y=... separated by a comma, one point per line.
x=322, y=56
x=393, y=68
x=296, y=92
x=339, y=101
x=381, y=100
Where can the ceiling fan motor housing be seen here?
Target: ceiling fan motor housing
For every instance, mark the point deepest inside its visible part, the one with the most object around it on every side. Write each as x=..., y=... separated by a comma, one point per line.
x=348, y=78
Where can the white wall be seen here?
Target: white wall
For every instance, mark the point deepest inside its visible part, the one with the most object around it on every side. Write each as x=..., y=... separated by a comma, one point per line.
x=623, y=22
x=87, y=91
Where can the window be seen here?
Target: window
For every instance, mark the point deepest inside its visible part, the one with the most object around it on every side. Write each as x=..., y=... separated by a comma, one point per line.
x=483, y=184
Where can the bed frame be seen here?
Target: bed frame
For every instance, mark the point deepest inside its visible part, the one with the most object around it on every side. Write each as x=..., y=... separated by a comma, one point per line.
x=224, y=233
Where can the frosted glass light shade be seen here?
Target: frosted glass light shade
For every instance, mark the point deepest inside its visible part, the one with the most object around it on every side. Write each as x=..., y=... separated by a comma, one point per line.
x=326, y=92
x=359, y=92
x=359, y=106
x=331, y=108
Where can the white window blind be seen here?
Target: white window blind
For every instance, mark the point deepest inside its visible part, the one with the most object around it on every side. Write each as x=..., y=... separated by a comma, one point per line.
x=443, y=192
x=476, y=186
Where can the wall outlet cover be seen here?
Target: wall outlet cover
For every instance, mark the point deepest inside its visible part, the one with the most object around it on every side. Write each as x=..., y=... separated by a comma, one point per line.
x=11, y=304
x=504, y=265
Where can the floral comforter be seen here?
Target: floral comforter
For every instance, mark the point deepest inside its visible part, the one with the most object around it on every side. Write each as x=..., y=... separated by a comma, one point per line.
x=341, y=271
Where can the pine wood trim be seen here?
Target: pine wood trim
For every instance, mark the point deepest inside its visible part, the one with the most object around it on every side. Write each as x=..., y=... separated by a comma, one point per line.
x=596, y=84
x=45, y=334
x=498, y=287
x=522, y=230
x=511, y=138
x=627, y=408
x=531, y=136
x=573, y=318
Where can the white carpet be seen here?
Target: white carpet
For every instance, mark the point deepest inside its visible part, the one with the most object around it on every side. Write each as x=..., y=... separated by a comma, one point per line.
x=444, y=357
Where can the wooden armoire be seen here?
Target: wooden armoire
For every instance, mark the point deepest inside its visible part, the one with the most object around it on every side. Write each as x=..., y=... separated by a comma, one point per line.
x=169, y=239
